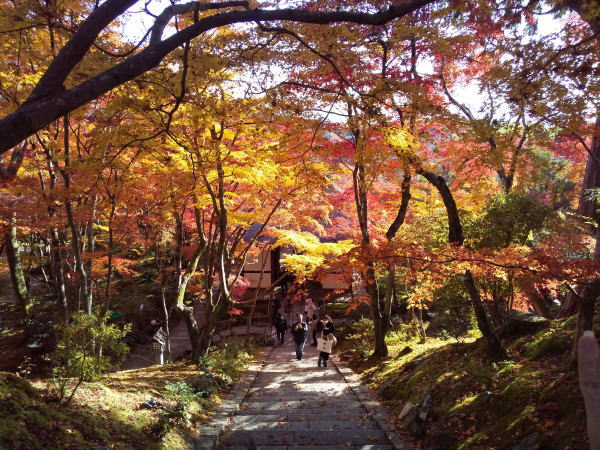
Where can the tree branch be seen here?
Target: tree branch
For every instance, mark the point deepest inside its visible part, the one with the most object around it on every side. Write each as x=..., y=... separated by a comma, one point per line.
x=182, y=8
x=49, y=100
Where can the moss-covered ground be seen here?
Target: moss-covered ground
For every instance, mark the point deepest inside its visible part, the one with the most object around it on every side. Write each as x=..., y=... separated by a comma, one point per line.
x=531, y=400
x=103, y=413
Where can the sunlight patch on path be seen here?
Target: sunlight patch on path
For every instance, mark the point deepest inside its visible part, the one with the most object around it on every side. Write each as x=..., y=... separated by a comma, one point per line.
x=289, y=404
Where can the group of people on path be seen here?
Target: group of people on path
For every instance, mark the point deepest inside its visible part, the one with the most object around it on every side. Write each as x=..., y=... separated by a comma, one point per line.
x=321, y=331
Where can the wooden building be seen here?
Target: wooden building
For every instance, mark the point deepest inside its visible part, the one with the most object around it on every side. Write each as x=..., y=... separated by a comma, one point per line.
x=270, y=264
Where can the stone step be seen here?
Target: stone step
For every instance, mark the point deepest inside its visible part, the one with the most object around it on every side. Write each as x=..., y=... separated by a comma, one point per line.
x=346, y=426
x=304, y=447
x=340, y=447
x=247, y=425
x=334, y=415
x=295, y=397
x=304, y=438
x=316, y=414
x=308, y=404
x=301, y=416
x=304, y=425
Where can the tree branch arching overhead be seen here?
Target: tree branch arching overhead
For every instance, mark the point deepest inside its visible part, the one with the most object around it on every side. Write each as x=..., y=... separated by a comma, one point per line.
x=49, y=100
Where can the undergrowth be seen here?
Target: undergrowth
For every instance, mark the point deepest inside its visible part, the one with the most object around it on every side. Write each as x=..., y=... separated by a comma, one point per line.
x=531, y=400
x=150, y=408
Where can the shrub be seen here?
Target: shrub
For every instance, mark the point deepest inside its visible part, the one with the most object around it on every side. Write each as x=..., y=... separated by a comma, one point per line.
x=508, y=218
x=452, y=312
x=403, y=333
x=182, y=394
x=362, y=334
x=229, y=361
x=205, y=384
x=87, y=347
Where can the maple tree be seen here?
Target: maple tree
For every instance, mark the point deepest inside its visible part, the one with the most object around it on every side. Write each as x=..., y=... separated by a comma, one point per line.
x=439, y=157
x=193, y=148
x=338, y=78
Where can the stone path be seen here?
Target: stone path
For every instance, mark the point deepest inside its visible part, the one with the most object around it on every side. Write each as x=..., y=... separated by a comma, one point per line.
x=290, y=404
x=143, y=355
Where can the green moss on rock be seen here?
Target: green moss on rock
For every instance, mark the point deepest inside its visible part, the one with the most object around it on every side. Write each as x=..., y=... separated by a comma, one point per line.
x=550, y=343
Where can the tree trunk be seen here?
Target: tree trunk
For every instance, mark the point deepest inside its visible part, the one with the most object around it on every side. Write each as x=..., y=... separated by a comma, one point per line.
x=89, y=292
x=495, y=349
x=455, y=231
x=369, y=277
x=40, y=251
x=216, y=310
x=187, y=312
x=109, y=263
x=390, y=234
x=166, y=327
x=390, y=291
x=205, y=339
x=538, y=301
x=380, y=327
x=17, y=274
x=588, y=207
x=418, y=319
x=455, y=236
x=76, y=241
x=76, y=247
x=58, y=272
x=587, y=302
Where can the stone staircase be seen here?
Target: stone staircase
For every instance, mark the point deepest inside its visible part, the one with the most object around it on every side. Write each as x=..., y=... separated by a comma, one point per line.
x=295, y=404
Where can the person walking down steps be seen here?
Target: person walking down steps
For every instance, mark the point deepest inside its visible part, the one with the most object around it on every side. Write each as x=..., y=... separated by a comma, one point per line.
x=280, y=326
x=325, y=342
x=299, y=329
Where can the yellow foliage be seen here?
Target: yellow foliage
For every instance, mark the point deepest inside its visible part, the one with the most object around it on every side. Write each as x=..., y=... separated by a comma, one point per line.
x=311, y=254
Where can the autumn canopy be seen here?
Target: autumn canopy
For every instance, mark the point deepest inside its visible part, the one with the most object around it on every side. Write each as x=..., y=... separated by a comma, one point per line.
x=423, y=150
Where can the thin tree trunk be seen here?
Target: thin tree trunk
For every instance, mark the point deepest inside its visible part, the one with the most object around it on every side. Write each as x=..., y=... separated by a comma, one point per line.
x=56, y=254
x=390, y=234
x=59, y=272
x=587, y=302
x=418, y=318
x=17, y=274
x=390, y=291
x=40, y=254
x=166, y=327
x=495, y=349
x=187, y=312
x=216, y=308
x=76, y=241
x=89, y=292
x=368, y=275
x=76, y=247
x=379, y=326
x=109, y=264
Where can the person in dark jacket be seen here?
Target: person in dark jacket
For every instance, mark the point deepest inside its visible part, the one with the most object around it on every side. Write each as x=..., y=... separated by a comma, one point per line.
x=299, y=329
x=329, y=324
x=313, y=328
x=276, y=305
x=280, y=326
